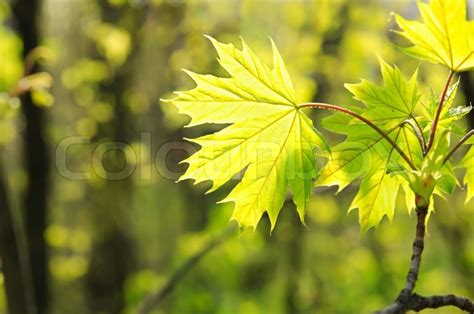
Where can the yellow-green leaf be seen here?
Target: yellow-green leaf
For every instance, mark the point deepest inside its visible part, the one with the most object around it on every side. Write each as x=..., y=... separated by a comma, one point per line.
x=393, y=102
x=445, y=36
x=364, y=154
x=269, y=137
x=376, y=198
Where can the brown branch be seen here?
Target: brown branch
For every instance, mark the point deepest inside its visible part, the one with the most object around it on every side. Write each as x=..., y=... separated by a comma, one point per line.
x=155, y=299
x=418, y=247
x=419, y=302
x=458, y=144
x=438, y=111
x=407, y=300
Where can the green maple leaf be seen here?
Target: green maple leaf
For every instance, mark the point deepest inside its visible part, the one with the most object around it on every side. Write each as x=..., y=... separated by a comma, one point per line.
x=444, y=37
x=392, y=103
x=269, y=137
x=365, y=154
x=376, y=198
x=371, y=159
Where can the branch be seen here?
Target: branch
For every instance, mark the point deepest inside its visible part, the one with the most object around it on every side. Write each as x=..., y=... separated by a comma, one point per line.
x=407, y=300
x=366, y=121
x=458, y=144
x=155, y=299
x=418, y=247
x=418, y=303
x=438, y=112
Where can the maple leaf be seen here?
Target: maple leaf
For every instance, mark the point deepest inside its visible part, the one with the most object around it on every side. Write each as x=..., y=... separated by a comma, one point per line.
x=444, y=37
x=376, y=198
x=269, y=138
x=394, y=102
x=369, y=158
x=365, y=154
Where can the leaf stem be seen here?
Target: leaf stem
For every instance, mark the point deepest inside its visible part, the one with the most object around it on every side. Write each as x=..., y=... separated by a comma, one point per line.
x=366, y=121
x=458, y=144
x=438, y=112
x=417, y=130
x=416, y=122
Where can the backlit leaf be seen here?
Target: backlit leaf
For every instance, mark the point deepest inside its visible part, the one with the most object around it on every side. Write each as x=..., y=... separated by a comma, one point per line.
x=445, y=36
x=364, y=154
x=269, y=137
x=393, y=102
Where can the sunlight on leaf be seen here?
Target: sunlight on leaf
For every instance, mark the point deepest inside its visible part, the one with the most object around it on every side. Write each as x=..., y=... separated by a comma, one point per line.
x=445, y=36
x=269, y=136
x=364, y=154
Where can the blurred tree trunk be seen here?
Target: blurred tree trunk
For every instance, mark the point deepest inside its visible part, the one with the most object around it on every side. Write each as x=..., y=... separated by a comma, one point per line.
x=112, y=256
x=467, y=86
x=456, y=236
x=36, y=161
x=15, y=268
x=293, y=241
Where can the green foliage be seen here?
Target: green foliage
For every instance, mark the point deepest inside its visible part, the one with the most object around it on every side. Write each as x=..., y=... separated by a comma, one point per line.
x=11, y=68
x=324, y=43
x=390, y=144
x=112, y=42
x=364, y=154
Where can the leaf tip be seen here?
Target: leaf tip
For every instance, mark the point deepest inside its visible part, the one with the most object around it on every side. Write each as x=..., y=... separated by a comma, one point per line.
x=212, y=188
x=383, y=63
x=274, y=47
x=182, y=177
x=364, y=229
x=212, y=39
x=242, y=226
x=189, y=73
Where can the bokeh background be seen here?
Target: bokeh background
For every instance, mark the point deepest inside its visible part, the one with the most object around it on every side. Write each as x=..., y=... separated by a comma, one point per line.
x=98, y=245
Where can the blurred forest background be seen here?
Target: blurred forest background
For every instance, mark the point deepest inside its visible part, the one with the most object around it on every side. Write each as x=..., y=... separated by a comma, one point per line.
x=98, y=243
